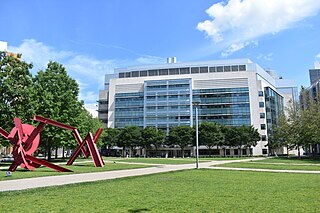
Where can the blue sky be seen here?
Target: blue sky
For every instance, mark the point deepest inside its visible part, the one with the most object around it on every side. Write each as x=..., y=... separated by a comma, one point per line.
x=91, y=38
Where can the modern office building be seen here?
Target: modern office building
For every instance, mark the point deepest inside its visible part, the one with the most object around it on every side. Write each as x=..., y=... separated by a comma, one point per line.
x=314, y=74
x=231, y=92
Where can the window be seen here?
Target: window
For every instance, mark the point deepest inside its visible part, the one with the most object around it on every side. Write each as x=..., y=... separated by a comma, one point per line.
x=264, y=151
x=194, y=70
x=219, y=69
x=242, y=67
x=121, y=75
x=244, y=152
x=235, y=152
x=227, y=68
x=262, y=115
x=135, y=74
x=143, y=73
x=203, y=69
x=184, y=70
x=227, y=151
x=263, y=126
x=260, y=94
x=263, y=137
x=212, y=69
x=261, y=104
x=234, y=68
x=163, y=72
x=173, y=71
x=128, y=74
x=153, y=72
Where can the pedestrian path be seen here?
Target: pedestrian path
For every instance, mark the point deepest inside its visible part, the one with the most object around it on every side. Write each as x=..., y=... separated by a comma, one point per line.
x=29, y=183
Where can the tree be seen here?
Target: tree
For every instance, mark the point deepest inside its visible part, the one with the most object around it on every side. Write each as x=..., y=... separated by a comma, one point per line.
x=152, y=137
x=16, y=91
x=111, y=137
x=181, y=136
x=252, y=136
x=130, y=136
x=57, y=97
x=232, y=136
x=210, y=135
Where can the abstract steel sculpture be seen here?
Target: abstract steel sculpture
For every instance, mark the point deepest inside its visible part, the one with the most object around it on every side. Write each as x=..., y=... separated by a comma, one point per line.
x=25, y=139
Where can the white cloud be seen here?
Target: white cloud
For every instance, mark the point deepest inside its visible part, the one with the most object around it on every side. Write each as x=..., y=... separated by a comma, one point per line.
x=38, y=53
x=267, y=57
x=239, y=21
x=92, y=108
x=150, y=60
x=318, y=56
x=88, y=71
x=236, y=47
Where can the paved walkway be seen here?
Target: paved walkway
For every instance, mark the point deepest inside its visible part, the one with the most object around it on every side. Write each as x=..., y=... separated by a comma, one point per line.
x=28, y=183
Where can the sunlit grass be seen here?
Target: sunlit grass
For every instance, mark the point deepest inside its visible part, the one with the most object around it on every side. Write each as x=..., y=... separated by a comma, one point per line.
x=184, y=191
x=76, y=168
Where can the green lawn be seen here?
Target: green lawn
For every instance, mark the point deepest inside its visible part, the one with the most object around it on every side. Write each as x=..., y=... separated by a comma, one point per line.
x=224, y=158
x=185, y=191
x=257, y=165
x=77, y=168
x=159, y=160
x=292, y=160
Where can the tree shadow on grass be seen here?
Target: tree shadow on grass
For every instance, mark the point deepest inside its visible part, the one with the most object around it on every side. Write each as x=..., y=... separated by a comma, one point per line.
x=138, y=210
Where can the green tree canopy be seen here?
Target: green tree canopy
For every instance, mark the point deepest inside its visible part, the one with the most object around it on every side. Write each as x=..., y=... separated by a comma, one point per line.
x=130, y=136
x=16, y=91
x=152, y=137
x=181, y=136
x=210, y=135
x=57, y=97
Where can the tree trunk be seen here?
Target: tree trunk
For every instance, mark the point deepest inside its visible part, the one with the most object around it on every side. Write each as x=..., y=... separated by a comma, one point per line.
x=299, y=152
x=224, y=152
x=63, y=152
x=56, y=153
x=49, y=150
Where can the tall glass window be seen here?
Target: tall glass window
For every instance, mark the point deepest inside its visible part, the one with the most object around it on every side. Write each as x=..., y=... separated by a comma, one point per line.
x=226, y=106
x=129, y=109
x=167, y=103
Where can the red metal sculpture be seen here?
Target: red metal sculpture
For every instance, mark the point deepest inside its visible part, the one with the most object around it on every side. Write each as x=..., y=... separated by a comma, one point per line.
x=25, y=139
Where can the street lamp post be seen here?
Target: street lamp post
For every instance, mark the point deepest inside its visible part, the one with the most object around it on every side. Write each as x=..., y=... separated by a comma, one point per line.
x=196, y=104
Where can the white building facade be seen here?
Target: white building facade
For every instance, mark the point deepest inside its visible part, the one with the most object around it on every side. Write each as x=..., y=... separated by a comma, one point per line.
x=231, y=92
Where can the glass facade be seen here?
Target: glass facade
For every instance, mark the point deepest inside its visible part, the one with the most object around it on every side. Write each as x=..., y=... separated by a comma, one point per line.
x=228, y=106
x=167, y=103
x=129, y=109
x=274, y=107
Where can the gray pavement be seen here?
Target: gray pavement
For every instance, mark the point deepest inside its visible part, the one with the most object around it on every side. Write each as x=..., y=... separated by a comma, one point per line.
x=29, y=183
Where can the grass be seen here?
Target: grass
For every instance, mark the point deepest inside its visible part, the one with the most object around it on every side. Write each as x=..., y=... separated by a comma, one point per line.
x=292, y=160
x=184, y=191
x=77, y=168
x=224, y=158
x=257, y=165
x=159, y=160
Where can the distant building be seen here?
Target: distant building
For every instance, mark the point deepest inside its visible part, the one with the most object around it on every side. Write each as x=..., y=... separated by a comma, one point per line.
x=231, y=92
x=314, y=74
x=312, y=93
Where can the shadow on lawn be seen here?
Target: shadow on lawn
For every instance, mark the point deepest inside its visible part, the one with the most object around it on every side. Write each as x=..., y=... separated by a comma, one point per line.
x=138, y=210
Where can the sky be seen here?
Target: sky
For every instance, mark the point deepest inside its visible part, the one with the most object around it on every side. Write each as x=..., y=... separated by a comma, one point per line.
x=91, y=38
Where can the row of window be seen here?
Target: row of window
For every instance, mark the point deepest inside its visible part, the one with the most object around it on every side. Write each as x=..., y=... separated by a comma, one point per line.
x=182, y=71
